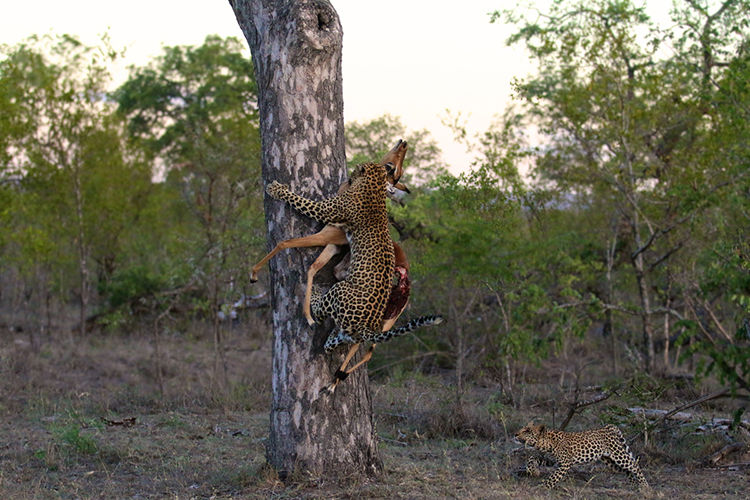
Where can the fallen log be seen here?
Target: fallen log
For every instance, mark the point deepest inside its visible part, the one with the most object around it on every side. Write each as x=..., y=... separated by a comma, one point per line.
x=721, y=424
x=650, y=413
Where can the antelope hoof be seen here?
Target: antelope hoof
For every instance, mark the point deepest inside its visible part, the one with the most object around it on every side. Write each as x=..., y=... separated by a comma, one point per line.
x=327, y=390
x=340, y=375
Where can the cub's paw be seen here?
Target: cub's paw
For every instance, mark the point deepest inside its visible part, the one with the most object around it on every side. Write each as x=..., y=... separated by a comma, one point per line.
x=276, y=190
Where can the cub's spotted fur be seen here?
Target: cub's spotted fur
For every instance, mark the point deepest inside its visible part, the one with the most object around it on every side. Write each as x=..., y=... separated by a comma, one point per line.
x=572, y=448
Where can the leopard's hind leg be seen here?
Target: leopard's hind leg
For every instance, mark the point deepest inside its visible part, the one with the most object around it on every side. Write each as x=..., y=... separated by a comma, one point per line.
x=336, y=338
x=320, y=309
x=629, y=467
x=635, y=474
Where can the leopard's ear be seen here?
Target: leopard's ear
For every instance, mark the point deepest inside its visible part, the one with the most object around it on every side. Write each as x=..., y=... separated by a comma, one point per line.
x=542, y=429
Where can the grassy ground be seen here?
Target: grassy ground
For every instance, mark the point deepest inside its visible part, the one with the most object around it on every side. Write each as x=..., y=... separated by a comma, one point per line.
x=87, y=421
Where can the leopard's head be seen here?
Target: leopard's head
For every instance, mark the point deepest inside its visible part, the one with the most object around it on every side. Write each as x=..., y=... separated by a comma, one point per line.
x=375, y=170
x=532, y=434
x=369, y=171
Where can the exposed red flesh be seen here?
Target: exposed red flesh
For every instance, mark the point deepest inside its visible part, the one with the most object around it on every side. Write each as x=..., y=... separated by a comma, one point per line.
x=399, y=294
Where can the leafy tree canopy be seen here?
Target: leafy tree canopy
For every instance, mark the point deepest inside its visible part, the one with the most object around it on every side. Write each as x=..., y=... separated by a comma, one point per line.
x=187, y=92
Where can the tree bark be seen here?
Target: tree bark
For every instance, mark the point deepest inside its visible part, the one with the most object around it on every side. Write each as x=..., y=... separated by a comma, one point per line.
x=83, y=256
x=296, y=49
x=641, y=280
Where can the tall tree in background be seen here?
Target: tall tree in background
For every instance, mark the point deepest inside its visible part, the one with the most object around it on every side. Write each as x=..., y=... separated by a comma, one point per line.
x=63, y=144
x=194, y=109
x=631, y=131
x=296, y=50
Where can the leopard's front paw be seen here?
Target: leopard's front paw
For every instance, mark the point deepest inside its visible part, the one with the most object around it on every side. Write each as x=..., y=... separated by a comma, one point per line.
x=276, y=190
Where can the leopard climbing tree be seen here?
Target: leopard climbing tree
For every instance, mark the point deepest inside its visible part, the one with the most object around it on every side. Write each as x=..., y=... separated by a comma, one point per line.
x=296, y=50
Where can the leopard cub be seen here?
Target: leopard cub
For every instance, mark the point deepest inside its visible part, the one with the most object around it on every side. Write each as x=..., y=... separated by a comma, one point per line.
x=572, y=448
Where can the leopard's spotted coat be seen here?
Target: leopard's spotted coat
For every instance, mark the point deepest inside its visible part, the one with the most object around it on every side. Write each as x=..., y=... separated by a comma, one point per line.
x=357, y=304
x=572, y=448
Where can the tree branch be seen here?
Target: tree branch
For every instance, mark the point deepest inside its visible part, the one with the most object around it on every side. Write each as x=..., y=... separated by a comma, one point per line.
x=577, y=405
x=658, y=234
x=667, y=255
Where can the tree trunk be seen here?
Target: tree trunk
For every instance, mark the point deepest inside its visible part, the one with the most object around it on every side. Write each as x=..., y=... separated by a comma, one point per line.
x=82, y=249
x=648, y=331
x=296, y=50
x=638, y=263
x=609, y=322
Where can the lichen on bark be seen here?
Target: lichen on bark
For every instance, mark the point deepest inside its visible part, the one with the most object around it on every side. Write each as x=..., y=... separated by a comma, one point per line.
x=296, y=50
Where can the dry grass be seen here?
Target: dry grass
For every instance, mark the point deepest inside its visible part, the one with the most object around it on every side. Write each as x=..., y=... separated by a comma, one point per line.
x=201, y=440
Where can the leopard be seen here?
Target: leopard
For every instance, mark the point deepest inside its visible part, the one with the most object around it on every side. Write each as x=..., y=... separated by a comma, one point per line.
x=573, y=448
x=358, y=303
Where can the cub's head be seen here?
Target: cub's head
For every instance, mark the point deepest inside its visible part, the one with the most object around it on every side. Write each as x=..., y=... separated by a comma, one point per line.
x=531, y=434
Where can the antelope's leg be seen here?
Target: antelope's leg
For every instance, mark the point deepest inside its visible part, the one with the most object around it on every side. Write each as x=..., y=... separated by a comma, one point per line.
x=349, y=356
x=364, y=359
x=329, y=234
x=329, y=251
x=401, y=262
x=340, y=373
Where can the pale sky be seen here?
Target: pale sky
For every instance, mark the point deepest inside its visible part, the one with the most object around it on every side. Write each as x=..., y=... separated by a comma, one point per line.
x=409, y=58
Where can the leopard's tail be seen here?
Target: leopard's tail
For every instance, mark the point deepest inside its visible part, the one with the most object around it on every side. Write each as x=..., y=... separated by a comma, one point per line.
x=412, y=325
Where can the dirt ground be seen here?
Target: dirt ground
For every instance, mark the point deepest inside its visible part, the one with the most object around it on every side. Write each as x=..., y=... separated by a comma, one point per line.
x=86, y=420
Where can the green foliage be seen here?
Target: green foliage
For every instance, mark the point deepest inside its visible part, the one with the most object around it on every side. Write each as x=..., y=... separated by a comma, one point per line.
x=727, y=274
x=65, y=161
x=191, y=92
x=195, y=108
x=154, y=187
x=634, y=139
x=71, y=437
x=641, y=167
x=487, y=252
x=131, y=283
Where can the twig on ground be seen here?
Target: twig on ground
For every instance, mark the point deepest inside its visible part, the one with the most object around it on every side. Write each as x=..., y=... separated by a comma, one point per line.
x=393, y=441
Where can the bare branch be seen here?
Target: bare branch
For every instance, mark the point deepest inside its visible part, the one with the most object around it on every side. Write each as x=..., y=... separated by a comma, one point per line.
x=658, y=234
x=666, y=256
x=709, y=397
x=577, y=405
